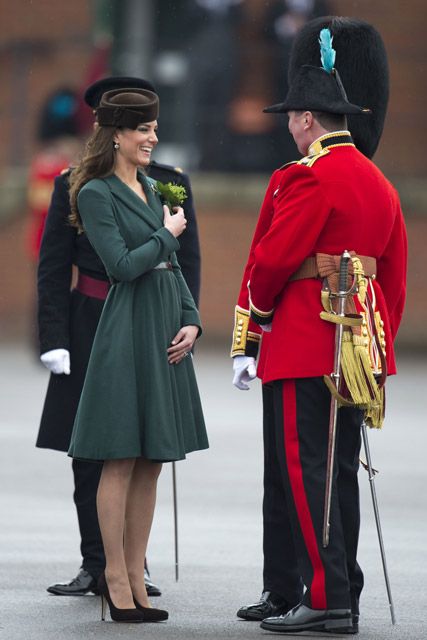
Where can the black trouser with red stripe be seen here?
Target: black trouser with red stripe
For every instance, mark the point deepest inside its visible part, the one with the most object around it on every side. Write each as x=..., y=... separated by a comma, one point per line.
x=332, y=576
x=281, y=576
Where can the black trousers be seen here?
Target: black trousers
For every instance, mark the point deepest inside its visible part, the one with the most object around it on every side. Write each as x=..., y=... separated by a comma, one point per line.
x=281, y=572
x=300, y=419
x=86, y=480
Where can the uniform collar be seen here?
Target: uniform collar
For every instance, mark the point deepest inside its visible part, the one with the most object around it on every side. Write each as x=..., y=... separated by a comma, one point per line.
x=332, y=139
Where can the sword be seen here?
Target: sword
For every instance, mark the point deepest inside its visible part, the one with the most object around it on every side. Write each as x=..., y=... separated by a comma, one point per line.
x=175, y=518
x=371, y=472
x=336, y=378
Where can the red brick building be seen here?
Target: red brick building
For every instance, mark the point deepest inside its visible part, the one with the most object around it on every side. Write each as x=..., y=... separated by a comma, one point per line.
x=46, y=44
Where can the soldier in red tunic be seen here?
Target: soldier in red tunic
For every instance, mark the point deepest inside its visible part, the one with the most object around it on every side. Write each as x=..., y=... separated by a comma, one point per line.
x=59, y=144
x=359, y=46
x=333, y=199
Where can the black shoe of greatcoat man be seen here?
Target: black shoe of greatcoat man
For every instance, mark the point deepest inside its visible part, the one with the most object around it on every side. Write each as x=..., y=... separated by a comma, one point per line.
x=152, y=589
x=84, y=583
x=268, y=605
x=303, y=618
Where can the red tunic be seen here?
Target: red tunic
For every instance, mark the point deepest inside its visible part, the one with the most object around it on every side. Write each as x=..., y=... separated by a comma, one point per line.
x=43, y=171
x=334, y=201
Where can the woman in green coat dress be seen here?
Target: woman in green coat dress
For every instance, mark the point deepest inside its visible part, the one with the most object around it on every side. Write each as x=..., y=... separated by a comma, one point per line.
x=140, y=404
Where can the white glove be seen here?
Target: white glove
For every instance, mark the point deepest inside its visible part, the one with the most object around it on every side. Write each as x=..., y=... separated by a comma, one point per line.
x=57, y=361
x=266, y=327
x=244, y=368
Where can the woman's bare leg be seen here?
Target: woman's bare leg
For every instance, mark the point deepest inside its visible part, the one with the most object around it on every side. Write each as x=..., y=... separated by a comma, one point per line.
x=111, y=504
x=139, y=517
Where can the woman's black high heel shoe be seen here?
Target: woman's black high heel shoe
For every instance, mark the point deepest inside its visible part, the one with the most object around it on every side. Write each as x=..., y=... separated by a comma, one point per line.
x=118, y=615
x=151, y=614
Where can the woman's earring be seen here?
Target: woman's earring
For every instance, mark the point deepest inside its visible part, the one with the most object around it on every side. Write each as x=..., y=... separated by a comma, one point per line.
x=116, y=146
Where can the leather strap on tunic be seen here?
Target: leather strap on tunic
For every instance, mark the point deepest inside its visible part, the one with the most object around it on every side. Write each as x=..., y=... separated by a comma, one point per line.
x=363, y=378
x=325, y=266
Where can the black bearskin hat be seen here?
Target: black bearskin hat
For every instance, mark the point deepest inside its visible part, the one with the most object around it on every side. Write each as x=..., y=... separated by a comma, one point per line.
x=94, y=92
x=362, y=65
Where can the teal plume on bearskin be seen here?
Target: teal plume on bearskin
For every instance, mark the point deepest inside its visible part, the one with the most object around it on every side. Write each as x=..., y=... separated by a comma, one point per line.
x=327, y=52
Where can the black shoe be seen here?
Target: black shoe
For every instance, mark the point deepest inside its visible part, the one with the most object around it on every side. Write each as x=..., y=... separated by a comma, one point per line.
x=267, y=606
x=117, y=615
x=80, y=585
x=353, y=630
x=302, y=618
x=151, y=614
x=152, y=589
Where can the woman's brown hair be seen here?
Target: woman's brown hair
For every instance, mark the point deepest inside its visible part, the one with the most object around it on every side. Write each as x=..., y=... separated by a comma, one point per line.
x=97, y=162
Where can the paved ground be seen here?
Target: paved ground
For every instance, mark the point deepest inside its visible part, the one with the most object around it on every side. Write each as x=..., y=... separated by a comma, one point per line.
x=219, y=517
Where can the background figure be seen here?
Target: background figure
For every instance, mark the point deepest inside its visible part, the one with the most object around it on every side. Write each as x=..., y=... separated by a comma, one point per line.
x=68, y=319
x=58, y=146
x=361, y=47
x=238, y=56
x=213, y=72
x=58, y=140
x=284, y=21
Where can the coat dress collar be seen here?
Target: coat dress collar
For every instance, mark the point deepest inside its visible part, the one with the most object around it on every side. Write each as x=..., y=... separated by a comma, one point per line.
x=152, y=212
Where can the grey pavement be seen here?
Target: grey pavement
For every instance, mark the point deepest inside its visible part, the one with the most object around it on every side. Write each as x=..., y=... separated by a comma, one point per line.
x=219, y=517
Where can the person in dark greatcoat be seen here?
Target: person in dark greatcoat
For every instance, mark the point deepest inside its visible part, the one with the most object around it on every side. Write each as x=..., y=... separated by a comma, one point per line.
x=359, y=47
x=67, y=324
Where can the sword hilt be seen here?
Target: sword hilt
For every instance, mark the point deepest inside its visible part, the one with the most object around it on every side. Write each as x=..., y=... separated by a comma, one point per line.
x=343, y=278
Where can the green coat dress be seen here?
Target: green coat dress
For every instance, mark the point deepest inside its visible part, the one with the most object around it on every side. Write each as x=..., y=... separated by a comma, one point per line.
x=134, y=403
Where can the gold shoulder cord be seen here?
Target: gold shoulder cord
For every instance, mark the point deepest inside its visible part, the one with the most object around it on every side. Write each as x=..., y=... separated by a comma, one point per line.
x=309, y=161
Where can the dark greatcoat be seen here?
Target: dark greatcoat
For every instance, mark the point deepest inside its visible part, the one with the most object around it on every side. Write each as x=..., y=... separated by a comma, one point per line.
x=68, y=319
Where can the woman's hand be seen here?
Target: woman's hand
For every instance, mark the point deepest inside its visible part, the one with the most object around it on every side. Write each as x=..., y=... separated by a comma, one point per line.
x=182, y=343
x=176, y=222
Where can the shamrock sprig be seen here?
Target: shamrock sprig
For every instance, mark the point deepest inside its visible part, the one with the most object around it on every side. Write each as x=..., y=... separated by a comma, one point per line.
x=173, y=195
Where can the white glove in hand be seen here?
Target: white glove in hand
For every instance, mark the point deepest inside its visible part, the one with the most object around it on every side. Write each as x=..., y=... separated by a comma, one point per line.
x=244, y=369
x=266, y=327
x=57, y=361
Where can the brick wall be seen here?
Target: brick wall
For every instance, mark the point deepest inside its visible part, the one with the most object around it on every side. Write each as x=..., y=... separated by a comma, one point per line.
x=43, y=45
x=225, y=236
x=225, y=239
x=402, y=27
x=58, y=49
